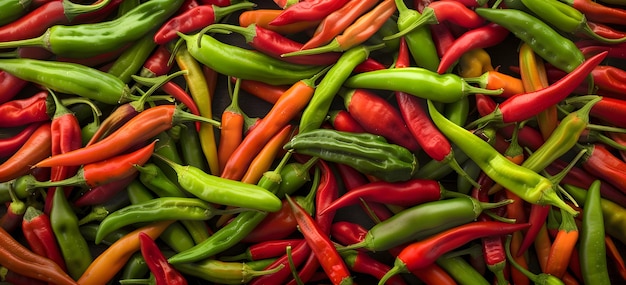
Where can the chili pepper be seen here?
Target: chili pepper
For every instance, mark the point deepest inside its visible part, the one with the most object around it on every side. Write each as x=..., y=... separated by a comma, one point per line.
x=140, y=128
x=528, y=184
x=284, y=110
x=298, y=255
x=9, y=145
x=322, y=247
x=510, y=85
x=18, y=279
x=357, y=33
x=243, y=63
x=592, y=248
x=599, y=161
x=406, y=193
x=545, y=97
x=605, y=30
x=425, y=252
x=37, y=231
x=444, y=11
x=315, y=112
x=274, y=44
x=153, y=177
x=52, y=13
x=598, y=12
x=195, y=19
x=615, y=255
x=13, y=10
x=99, y=211
x=562, y=246
x=19, y=259
x=541, y=278
x=262, y=17
x=164, y=273
x=189, y=145
x=231, y=131
x=131, y=60
x=307, y=11
x=73, y=246
x=294, y=176
x=359, y=261
x=69, y=78
x=486, y=36
x=36, y=108
x=337, y=21
x=10, y=86
x=264, y=91
x=135, y=268
x=265, y=249
x=102, y=172
x=429, y=218
x=606, y=78
x=237, y=229
x=420, y=82
x=370, y=154
x=419, y=41
x=14, y=214
x=543, y=39
x=263, y=160
x=222, y=272
x=113, y=258
x=461, y=270
x=471, y=3
x=341, y=120
x=34, y=149
x=76, y=40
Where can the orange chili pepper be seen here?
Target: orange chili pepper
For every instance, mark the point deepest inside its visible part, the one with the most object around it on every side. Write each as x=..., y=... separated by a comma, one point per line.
x=262, y=17
x=263, y=161
x=434, y=274
x=231, y=132
x=510, y=85
x=563, y=246
x=266, y=92
x=111, y=260
x=35, y=149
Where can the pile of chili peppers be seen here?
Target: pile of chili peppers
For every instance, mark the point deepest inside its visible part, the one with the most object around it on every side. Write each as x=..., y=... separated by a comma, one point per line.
x=313, y=142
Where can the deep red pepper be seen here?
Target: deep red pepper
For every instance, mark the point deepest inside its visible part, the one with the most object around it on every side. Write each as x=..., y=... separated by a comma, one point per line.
x=102, y=193
x=425, y=252
x=298, y=254
x=12, y=218
x=537, y=217
x=37, y=231
x=523, y=106
x=8, y=146
x=610, y=78
x=347, y=233
x=311, y=10
x=405, y=193
x=341, y=120
x=591, y=47
x=597, y=12
x=359, y=261
x=609, y=110
x=605, y=30
x=482, y=37
x=276, y=225
x=195, y=19
x=386, y=122
x=36, y=148
x=220, y=3
x=36, y=108
x=265, y=249
x=10, y=86
x=164, y=273
x=599, y=161
x=321, y=245
x=157, y=63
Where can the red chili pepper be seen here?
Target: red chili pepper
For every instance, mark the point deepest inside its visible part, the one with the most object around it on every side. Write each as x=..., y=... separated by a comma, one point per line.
x=220, y=3
x=359, y=261
x=8, y=146
x=523, y=106
x=37, y=231
x=605, y=30
x=537, y=217
x=36, y=148
x=275, y=44
x=425, y=252
x=102, y=193
x=139, y=129
x=12, y=218
x=195, y=19
x=443, y=37
x=265, y=249
x=482, y=37
x=341, y=120
x=262, y=17
x=311, y=10
x=19, y=112
x=387, y=122
x=599, y=161
x=298, y=255
x=597, y=12
x=157, y=63
x=10, y=86
x=266, y=92
x=609, y=78
x=321, y=245
x=53, y=13
x=347, y=233
x=164, y=273
x=591, y=47
x=406, y=193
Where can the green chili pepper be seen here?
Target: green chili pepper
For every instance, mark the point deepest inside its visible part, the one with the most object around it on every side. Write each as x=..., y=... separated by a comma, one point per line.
x=190, y=148
x=154, y=178
x=436, y=170
x=592, y=249
x=419, y=41
x=132, y=59
x=420, y=82
x=223, y=272
x=461, y=270
x=13, y=10
x=73, y=245
x=543, y=39
x=242, y=63
x=425, y=219
x=159, y=209
x=368, y=153
x=88, y=231
x=317, y=109
x=565, y=18
x=520, y=180
x=166, y=146
x=136, y=266
x=294, y=175
x=86, y=40
x=457, y=111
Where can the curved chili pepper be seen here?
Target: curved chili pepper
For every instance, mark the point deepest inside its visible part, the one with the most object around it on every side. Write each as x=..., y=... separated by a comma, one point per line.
x=420, y=41
x=265, y=249
x=444, y=11
x=10, y=86
x=9, y=145
x=19, y=259
x=535, y=102
x=222, y=272
x=307, y=11
x=598, y=12
x=605, y=30
x=38, y=232
x=359, y=261
x=357, y=33
x=113, y=258
x=341, y=120
x=262, y=17
x=195, y=19
x=36, y=148
x=140, y=128
x=486, y=36
x=425, y=252
x=264, y=91
x=164, y=273
x=266, y=156
x=599, y=161
x=592, y=247
x=388, y=121
x=105, y=192
x=275, y=44
x=36, y=108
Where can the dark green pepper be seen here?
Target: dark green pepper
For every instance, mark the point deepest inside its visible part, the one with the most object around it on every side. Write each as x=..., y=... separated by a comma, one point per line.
x=133, y=58
x=368, y=153
x=223, y=272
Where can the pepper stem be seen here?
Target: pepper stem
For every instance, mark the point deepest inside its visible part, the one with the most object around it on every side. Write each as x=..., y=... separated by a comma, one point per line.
x=451, y=161
x=398, y=267
x=333, y=46
x=428, y=17
x=292, y=267
x=155, y=83
x=182, y=116
x=247, y=32
x=72, y=10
